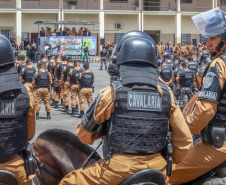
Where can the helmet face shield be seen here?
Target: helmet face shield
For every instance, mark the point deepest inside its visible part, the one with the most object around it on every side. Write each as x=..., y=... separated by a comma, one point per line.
x=210, y=23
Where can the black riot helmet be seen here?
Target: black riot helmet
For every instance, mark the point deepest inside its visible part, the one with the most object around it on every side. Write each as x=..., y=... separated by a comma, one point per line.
x=137, y=47
x=6, y=52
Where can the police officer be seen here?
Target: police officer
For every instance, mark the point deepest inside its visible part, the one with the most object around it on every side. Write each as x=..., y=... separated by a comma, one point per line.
x=200, y=72
x=123, y=121
x=203, y=54
x=17, y=118
x=17, y=64
x=103, y=55
x=176, y=89
x=192, y=65
x=86, y=88
x=51, y=69
x=42, y=80
x=208, y=116
x=113, y=71
x=110, y=50
x=58, y=72
x=165, y=75
x=44, y=61
x=73, y=79
x=65, y=83
x=23, y=61
x=185, y=79
x=86, y=52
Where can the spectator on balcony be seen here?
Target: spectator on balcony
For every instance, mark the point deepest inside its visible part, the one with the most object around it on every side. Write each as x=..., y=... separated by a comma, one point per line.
x=81, y=33
x=48, y=31
x=69, y=32
x=87, y=32
x=74, y=32
x=60, y=33
x=65, y=31
x=42, y=32
x=54, y=33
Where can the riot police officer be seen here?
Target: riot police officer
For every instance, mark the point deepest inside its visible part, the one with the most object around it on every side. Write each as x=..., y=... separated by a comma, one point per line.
x=86, y=88
x=176, y=89
x=66, y=85
x=42, y=79
x=123, y=121
x=208, y=115
x=166, y=74
x=192, y=65
x=103, y=55
x=185, y=79
x=73, y=79
x=17, y=118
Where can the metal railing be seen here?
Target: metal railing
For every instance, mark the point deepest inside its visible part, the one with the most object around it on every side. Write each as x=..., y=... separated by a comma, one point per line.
x=11, y=4
x=41, y=4
x=83, y=5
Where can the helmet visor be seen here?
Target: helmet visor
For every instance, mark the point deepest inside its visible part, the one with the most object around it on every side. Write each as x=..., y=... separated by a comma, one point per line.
x=210, y=23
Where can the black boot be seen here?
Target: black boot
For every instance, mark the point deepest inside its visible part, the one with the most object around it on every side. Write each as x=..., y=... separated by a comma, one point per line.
x=66, y=109
x=76, y=108
x=48, y=115
x=81, y=114
x=61, y=102
x=37, y=116
x=73, y=111
x=53, y=103
x=56, y=104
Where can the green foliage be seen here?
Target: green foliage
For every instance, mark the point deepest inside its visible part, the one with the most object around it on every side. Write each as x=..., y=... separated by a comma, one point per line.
x=72, y=2
x=137, y=3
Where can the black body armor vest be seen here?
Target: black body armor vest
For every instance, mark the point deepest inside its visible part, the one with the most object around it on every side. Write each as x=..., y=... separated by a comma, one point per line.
x=68, y=68
x=166, y=73
x=139, y=122
x=103, y=53
x=215, y=132
x=170, y=63
x=42, y=79
x=14, y=107
x=201, y=72
x=186, y=78
x=28, y=74
x=86, y=80
x=75, y=75
x=59, y=70
x=192, y=66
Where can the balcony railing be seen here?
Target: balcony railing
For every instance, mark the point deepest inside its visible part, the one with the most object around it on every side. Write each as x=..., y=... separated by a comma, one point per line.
x=83, y=5
x=41, y=4
x=7, y=4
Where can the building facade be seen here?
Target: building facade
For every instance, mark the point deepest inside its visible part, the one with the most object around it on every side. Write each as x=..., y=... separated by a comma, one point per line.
x=164, y=20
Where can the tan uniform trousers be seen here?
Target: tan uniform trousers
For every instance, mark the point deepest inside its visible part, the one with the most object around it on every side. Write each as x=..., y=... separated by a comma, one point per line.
x=29, y=84
x=67, y=89
x=43, y=93
x=74, y=95
x=85, y=94
x=15, y=165
x=119, y=169
x=58, y=94
x=54, y=95
x=200, y=159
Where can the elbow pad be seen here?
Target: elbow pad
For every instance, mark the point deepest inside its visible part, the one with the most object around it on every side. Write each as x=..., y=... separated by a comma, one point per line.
x=89, y=122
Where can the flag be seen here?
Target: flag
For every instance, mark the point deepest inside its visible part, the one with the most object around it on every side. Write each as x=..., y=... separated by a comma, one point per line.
x=168, y=47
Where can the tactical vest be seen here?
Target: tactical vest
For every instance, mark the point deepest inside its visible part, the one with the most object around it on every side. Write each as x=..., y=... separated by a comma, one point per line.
x=170, y=63
x=68, y=68
x=42, y=79
x=215, y=132
x=14, y=107
x=86, y=80
x=59, y=69
x=103, y=53
x=51, y=66
x=28, y=74
x=186, y=78
x=23, y=65
x=201, y=72
x=18, y=67
x=75, y=75
x=166, y=73
x=192, y=66
x=139, y=122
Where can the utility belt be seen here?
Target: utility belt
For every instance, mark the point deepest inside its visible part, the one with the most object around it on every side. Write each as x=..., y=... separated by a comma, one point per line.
x=81, y=87
x=37, y=87
x=214, y=135
x=28, y=81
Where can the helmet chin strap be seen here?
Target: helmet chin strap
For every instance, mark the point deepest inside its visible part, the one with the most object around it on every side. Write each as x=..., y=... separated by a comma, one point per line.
x=218, y=48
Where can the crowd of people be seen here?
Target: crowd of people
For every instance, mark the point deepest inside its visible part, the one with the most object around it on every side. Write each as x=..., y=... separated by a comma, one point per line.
x=65, y=32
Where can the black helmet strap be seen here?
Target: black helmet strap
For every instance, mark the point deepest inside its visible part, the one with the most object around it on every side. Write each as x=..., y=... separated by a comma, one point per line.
x=218, y=48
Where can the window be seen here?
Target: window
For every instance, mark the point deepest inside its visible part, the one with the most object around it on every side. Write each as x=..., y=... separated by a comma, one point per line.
x=29, y=0
x=25, y=36
x=223, y=2
x=119, y=1
x=185, y=1
x=185, y=38
x=202, y=38
x=6, y=33
x=117, y=36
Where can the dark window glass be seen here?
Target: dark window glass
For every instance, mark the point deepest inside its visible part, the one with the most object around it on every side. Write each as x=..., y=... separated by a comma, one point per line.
x=119, y=1
x=223, y=2
x=117, y=36
x=185, y=38
x=202, y=38
x=185, y=1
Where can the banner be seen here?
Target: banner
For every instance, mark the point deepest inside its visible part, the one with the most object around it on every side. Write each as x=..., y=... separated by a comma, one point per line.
x=68, y=45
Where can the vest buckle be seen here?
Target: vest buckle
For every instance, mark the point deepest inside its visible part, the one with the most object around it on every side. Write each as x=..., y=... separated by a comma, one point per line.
x=107, y=159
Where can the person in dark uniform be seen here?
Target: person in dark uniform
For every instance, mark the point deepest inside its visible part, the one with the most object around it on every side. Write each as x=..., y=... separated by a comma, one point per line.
x=86, y=88
x=185, y=79
x=42, y=79
x=130, y=128
x=192, y=65
x=17, y=118
x=18, y=64
x=33, y=52
x=176, y=89
x=103, y=56
x=23, y=61
x=113, y=71
x=110, y=50
x=166, y=75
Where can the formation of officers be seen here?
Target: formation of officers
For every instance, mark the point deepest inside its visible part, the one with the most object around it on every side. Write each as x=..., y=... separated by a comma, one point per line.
x=183, y=74
x=55, y=79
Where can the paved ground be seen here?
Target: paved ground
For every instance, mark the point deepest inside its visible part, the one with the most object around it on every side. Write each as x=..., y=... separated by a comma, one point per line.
x=64, y=121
